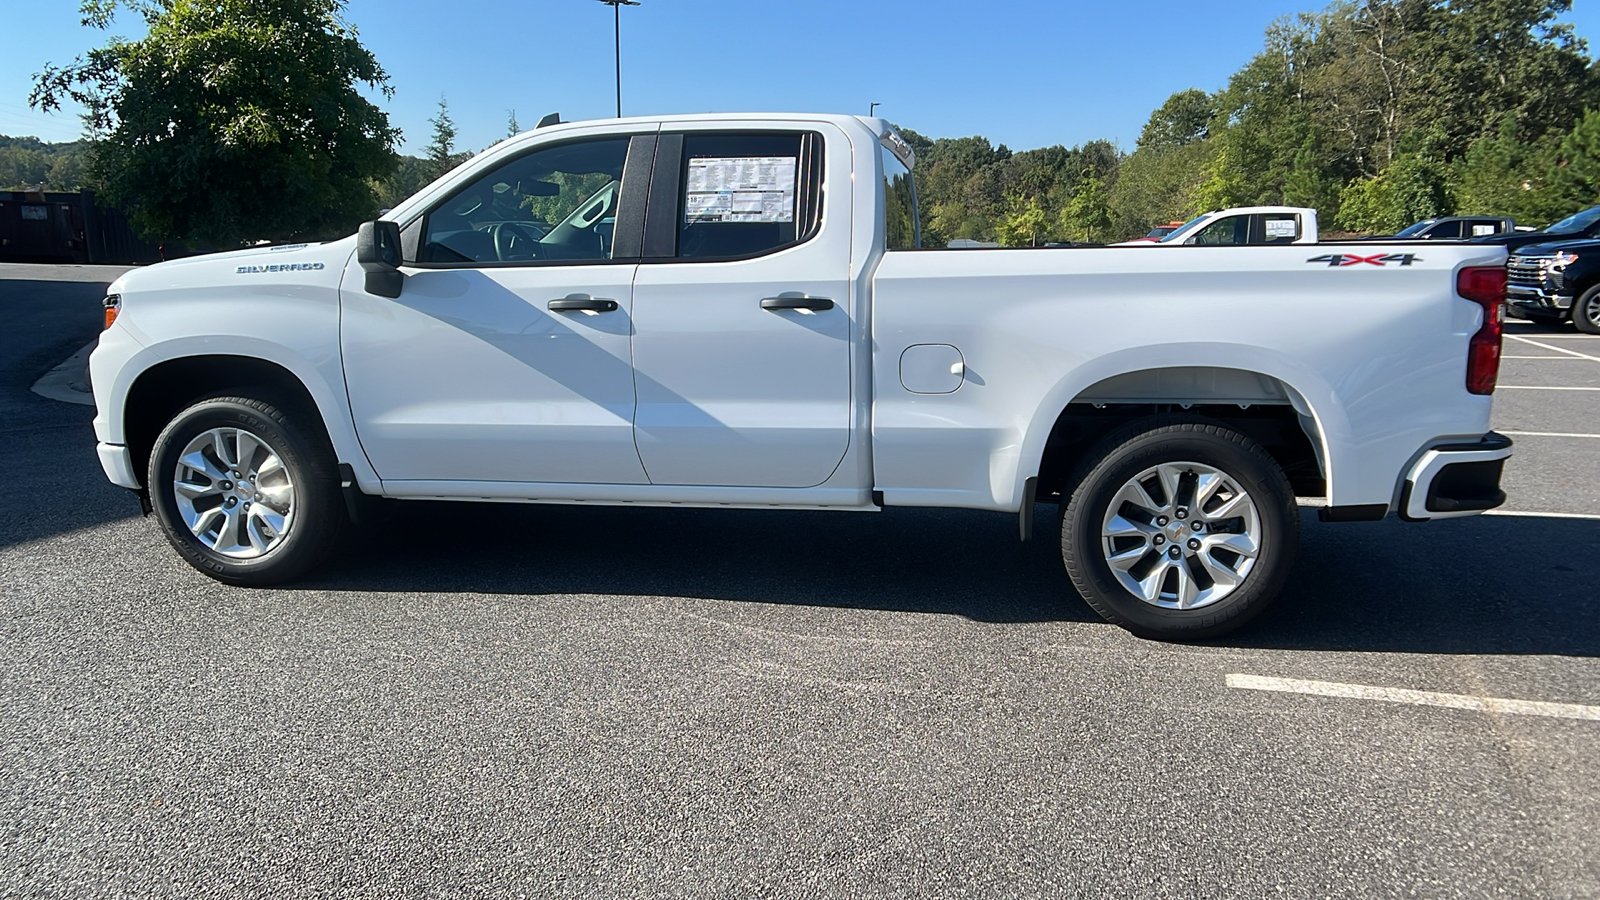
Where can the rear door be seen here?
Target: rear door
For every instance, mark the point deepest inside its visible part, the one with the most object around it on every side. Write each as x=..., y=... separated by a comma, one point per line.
x=741, y=316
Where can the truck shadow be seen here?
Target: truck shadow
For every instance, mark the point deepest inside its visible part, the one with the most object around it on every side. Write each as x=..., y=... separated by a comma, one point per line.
x=1487, y=585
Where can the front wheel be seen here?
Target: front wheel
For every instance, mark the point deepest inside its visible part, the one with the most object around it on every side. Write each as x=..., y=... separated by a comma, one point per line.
x=1179, y=529
x=246, y=492
x=1586, y=311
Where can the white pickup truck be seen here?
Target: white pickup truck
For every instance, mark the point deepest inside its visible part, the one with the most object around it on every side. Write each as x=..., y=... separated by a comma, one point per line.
x=1239, y=226
x=731, y=311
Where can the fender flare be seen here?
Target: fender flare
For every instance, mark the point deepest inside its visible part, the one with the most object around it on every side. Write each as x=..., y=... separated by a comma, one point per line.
x=1304, y=384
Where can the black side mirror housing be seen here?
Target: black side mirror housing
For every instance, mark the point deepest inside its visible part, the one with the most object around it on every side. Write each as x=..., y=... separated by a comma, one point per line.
x=378, y=252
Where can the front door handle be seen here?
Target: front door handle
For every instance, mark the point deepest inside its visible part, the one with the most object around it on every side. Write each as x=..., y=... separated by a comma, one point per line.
x=583, y=304
x=808, y=304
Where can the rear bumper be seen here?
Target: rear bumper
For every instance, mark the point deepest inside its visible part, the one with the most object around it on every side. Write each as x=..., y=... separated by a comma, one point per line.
x=118, y=463
x=1460, y=479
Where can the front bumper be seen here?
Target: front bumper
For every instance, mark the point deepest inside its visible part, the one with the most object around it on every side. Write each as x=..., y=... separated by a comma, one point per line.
x=1537, y=302
x=1460, y=479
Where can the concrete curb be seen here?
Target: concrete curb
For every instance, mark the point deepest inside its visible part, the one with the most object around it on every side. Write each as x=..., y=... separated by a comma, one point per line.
x=69, y=381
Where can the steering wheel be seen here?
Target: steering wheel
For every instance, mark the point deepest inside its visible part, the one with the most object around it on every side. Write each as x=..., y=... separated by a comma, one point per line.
x=513, y=242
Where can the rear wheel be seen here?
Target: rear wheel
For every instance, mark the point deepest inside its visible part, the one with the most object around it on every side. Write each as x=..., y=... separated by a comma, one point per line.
x=1586, y=311
x=246, y=492
x=1179, y=529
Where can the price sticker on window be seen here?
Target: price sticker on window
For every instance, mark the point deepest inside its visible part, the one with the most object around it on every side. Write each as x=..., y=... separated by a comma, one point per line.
x=740, y=189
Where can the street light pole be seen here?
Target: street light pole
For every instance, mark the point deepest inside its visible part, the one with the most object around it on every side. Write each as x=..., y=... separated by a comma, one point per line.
x=616, y=9
x=872, y=109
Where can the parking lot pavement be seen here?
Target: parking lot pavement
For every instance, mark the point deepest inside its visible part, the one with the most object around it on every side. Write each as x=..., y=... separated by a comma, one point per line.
x=1549, y=403
x=520, y=701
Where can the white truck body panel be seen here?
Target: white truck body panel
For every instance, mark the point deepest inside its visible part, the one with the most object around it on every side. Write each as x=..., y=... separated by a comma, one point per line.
x=1370, y=351
x=935, y=379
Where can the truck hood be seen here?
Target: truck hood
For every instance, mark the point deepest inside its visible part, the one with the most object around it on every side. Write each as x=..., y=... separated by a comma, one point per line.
x=1546, y=248
x=318, y=264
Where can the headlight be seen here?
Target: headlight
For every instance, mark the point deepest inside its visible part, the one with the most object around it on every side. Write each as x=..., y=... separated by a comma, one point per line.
x=1562, y=258
x=113, y=305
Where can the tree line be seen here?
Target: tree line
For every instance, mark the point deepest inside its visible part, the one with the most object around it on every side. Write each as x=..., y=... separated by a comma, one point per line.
x=1375, y=112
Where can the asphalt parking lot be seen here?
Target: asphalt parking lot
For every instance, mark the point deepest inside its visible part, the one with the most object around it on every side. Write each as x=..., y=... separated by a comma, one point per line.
x=510, y=701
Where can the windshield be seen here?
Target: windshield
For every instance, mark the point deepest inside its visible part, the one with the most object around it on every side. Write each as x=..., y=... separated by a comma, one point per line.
x=1576, y=223
x=1184, y=228
x=1417, y=228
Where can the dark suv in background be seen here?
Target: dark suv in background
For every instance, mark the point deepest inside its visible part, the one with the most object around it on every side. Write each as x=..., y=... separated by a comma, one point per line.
x=1554, y=281
x=1453, y=228
x=1573, y=228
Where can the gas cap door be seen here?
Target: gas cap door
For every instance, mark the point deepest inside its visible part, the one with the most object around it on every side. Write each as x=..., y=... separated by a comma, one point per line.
x=931, y=369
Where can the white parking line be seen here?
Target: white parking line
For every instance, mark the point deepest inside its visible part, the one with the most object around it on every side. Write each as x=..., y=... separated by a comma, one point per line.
x=1553, y=347
x=1544, y=387
x=1415, y=698
x=1562, y=434
x=1541, y=515
x=1558, y=358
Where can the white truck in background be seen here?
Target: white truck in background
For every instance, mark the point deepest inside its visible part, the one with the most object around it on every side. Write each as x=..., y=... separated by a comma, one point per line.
x=1241, y=226
x=732, y=311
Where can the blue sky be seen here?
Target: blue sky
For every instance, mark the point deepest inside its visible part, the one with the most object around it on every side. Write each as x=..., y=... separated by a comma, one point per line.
x=1027, y=73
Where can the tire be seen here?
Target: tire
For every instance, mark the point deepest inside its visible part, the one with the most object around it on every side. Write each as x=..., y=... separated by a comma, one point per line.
x=1586, y=311
x=1242, y=492
x=223, y=520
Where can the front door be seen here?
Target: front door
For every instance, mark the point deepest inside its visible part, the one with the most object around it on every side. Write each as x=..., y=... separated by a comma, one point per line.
x=506, y=357
x=742, y=316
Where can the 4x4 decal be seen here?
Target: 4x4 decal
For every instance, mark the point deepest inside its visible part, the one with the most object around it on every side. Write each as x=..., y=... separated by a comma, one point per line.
x=1351, y=259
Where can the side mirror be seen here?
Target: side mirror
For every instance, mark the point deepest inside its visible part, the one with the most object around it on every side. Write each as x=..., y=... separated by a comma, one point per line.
x=378, y=252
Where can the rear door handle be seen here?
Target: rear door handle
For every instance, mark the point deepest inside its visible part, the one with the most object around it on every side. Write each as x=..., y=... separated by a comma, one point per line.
x=809, y=304
x=583, y=304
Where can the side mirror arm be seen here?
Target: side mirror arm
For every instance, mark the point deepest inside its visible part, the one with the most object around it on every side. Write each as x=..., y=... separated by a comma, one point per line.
x=378, y=252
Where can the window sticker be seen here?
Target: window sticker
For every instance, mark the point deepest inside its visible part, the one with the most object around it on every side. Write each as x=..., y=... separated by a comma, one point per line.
x=740, y=189
x=1481, y=230
x=1282, y=228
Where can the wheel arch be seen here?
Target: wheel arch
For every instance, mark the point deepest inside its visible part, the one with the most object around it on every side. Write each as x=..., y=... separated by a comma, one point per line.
x=169, y=385
x=1273, y=399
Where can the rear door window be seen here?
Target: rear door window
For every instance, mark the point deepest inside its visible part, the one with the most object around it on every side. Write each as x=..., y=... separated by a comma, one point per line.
x=742, y=194
x=1279, y=228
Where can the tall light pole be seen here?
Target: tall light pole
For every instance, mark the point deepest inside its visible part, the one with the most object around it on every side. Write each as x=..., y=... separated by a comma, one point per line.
x=616, y=9
x=872, y=110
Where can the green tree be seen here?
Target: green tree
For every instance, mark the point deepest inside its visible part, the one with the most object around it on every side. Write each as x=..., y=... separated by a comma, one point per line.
x=1184, y=119
x=411, y=175
x=231, y=120
x=1088, y=216
x=1504, y=175
x=1576, y=175
x=512, y=128
x=1222, y=183
x=441, y=151
x=1023, y=223
x=1157, y=186
x=1412, y=188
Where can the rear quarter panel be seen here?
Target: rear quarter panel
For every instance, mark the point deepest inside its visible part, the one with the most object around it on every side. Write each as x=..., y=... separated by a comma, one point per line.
x=1377, y=353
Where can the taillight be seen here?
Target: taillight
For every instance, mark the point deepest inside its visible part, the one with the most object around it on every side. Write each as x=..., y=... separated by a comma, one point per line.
x=113, y=305
x=1485, y=286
